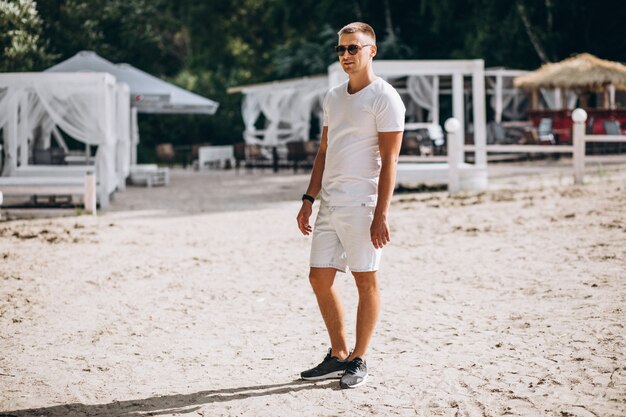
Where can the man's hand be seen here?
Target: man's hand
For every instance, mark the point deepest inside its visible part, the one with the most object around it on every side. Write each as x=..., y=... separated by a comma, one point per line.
x=303, y=218
x=379, y=231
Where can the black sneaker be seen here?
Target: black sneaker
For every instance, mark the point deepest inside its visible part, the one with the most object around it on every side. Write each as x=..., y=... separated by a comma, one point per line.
x=331, y=367
x=356, y=374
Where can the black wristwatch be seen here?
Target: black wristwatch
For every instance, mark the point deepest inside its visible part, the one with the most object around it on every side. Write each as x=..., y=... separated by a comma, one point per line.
x=308, y=197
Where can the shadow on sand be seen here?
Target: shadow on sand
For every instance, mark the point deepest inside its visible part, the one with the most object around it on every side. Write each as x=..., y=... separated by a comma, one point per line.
x=169, y=404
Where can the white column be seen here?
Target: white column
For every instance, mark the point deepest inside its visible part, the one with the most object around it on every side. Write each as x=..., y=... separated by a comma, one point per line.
x=90, y=193
x=435, y=98
x=11, y=140
x=22, y=130
x=558, y=100
x=498, y=92
x=479, y=114
x=579, y=116
x=134, y=136
x=611, y=89
x=455, y=149
x=458, y=111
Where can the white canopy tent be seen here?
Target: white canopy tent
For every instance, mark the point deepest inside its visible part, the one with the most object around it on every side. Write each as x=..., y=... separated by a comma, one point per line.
x=278, y=101
x=287, y=107
x=148, y=94
x=91, y=107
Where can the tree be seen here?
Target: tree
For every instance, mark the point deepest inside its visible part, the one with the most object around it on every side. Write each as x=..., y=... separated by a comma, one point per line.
x=145, y=33
x=21, y=45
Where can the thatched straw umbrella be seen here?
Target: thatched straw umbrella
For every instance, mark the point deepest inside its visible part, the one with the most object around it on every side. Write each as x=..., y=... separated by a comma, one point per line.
x=582, y=73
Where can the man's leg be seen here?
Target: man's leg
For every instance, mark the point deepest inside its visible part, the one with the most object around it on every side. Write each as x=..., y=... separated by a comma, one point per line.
x=322, y=280
x=367, y=313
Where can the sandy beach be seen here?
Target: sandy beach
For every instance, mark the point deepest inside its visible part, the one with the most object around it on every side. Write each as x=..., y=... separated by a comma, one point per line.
x=193, y=300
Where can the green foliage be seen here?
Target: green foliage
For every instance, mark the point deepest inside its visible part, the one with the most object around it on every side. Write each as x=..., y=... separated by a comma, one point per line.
x=21, y=46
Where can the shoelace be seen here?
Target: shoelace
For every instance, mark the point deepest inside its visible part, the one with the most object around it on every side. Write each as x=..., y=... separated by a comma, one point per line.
x=354, y=366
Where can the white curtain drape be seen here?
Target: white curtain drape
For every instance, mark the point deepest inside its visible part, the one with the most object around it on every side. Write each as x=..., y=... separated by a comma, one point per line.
x=7, y=96
x=123, y=130
x=9, y=110
x=287, y=110
x=250, y=111
x=299, y=107
x=515, y=102
x=424, y=90
x=272, y=108
x=552, y=99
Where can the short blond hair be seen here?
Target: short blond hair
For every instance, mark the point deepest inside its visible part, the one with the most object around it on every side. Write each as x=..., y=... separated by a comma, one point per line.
x=358, y=27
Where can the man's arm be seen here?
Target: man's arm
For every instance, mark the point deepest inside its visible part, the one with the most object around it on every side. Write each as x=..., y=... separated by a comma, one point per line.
x=389, y=144
x=315, y=185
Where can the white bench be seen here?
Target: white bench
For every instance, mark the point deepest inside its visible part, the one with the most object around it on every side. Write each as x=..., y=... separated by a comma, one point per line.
x=84, y=187
x=215, y=155
x=64, y=171
x=149, y=175
x=54, y=171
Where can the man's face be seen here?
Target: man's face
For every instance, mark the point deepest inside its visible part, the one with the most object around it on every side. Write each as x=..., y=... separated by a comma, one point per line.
x=353, y=64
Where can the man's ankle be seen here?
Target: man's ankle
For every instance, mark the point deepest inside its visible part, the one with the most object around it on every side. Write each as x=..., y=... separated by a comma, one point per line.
x=353, y=356
x=339, y=354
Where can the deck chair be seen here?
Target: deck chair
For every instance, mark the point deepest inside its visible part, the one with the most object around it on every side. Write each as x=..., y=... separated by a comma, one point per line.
x=611, y=127
x=255, y=158
x=296, y=154
x=545, y=131
x=311, y=148
x=495, y=133
x=239, y=150
x=42, y=157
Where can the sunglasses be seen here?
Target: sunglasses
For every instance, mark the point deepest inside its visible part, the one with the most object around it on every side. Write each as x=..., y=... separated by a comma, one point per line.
x=352, y=49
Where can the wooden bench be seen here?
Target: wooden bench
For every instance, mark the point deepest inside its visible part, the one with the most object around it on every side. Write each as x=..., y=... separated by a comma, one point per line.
x=84, y=187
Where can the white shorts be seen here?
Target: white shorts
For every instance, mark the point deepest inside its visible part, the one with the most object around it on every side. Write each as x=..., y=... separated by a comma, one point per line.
x=341, y=237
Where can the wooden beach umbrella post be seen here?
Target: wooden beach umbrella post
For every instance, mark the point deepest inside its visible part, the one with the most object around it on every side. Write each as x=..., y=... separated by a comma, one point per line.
x=534, y=99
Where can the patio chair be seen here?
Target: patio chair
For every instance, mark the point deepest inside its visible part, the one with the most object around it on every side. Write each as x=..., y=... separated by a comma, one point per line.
x=42, y=157
x=165, y=153
x=239, y=150
x=311, y=148
x=545, y=131
x=255, y=158
x=251, y=155
x=296, y=154
x=495, y=133
x=410, y=144
x=611, y=127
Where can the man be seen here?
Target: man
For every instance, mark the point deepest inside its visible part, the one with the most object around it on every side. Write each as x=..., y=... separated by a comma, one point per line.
x=355, y=172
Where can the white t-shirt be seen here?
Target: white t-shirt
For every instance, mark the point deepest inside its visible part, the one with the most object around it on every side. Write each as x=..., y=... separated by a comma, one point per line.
x=352, y=157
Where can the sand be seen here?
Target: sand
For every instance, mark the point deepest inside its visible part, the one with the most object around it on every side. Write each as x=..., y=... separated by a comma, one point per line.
x=193, y=300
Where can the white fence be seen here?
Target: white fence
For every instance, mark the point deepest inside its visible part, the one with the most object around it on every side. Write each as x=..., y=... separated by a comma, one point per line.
x=457, y=149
